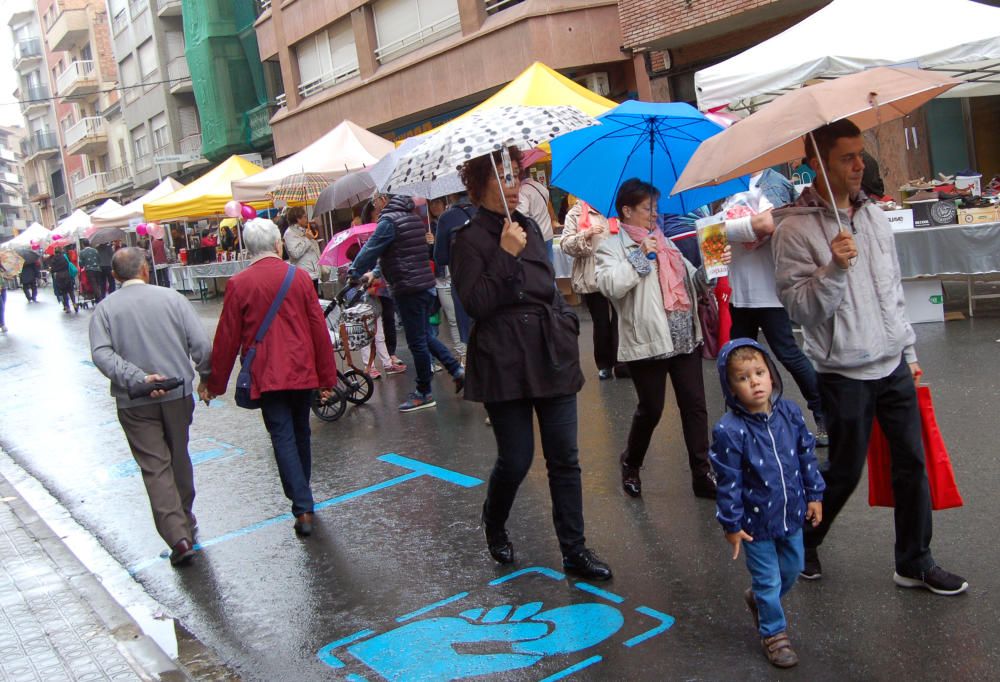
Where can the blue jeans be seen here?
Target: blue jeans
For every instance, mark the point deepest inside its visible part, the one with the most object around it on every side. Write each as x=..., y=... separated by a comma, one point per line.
x=286, y=416
x=415, y=311
x=777, y=328
x=774, y=566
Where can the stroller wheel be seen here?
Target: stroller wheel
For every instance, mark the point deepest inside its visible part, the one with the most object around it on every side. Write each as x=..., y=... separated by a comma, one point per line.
x=358, y=386
x=332, y=409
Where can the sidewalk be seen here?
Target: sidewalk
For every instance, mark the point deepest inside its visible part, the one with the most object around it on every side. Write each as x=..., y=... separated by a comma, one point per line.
x=57, y=622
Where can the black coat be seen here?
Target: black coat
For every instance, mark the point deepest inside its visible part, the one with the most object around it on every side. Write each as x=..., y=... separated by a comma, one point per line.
x=524, y=340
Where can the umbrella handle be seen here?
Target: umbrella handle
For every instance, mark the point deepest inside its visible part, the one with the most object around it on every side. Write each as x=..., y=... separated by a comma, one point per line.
x=503, y=197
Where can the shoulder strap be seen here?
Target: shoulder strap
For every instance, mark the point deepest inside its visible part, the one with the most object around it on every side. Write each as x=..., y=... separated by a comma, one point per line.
x=285, y=286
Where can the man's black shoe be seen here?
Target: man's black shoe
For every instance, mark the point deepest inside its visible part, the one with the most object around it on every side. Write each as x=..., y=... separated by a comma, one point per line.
x=459, y=379
x=603, y=374
x=935, y=579
x=586, y=564
x=812, y=570
x=181, y=553
x=304, y=524
x=705, y=486
x=498, y=542
x=631, y=483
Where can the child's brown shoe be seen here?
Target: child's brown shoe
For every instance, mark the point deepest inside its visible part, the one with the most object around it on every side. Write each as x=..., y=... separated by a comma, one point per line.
x=779, y=651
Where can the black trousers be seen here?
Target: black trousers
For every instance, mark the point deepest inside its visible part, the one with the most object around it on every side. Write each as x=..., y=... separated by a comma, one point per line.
x=515, y=434
x=30, y=290
x=605, y=329
x=389, y=323
x=849, y=406
x=109, y=279
x=650, y=379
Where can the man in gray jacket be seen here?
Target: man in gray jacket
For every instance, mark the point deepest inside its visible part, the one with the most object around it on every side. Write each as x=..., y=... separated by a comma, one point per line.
x=843, y=286
x=141, y=335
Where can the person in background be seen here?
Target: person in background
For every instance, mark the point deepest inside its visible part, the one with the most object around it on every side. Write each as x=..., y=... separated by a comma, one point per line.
x=90, y=263
x=158, y=249
x=7, y=281
x=523, y=361
x=533, y=202
x=29, y=279
x=63, y=282
x=460, y=210
x=583, y=231
x=443, y=232
x=106, y=251
x=294, y=358
x=142, y=335
x=386, y=302
x=302, y=245
x=658, y=330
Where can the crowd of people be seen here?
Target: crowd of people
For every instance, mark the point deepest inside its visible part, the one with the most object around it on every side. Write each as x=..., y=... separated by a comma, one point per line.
x=519, y=339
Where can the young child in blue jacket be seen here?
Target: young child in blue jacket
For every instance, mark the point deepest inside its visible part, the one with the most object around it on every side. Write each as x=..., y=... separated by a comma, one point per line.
x=769, y=485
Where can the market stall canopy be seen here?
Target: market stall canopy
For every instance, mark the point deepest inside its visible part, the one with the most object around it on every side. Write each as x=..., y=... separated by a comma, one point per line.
x=958, y=38
x=122, y=216
x=33, y=233
x=107, y=208
x=74, y=226
x=206, y=196
x=348, y=147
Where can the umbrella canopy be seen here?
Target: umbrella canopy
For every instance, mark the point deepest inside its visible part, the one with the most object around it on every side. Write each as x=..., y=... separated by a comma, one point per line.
x=12, y=262
x=645, y=140
x=450, y=183
x=106, y=235
x=58, y=243
x=206, y=196
x=34, y=233
x=27, y=254
x=122, y=216
x=483, y=133
x=955, y=37
x=298, y=188
x=774, y=134
x=345, y=192
x=346, y=148
x=335, y=253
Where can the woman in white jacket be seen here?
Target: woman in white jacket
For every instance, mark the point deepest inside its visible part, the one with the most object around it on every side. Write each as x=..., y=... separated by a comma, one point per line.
x=652, y=286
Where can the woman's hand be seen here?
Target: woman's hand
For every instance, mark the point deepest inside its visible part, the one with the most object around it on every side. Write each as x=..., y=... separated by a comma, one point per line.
x=648, y=245
x=727, y=254
x=513, y=239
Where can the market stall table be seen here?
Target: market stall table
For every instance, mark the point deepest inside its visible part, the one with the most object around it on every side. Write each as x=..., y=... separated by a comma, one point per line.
x=966, y=250
x=195, y=277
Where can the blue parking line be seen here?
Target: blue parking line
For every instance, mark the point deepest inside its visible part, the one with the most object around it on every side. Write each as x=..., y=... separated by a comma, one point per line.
x=431, y=470
x=547, y=572
x=665, y=623
x=604, y=594
x=225, y=451
x=566, y=672
x=369, y=489
x=430, y=607
x=326, y=653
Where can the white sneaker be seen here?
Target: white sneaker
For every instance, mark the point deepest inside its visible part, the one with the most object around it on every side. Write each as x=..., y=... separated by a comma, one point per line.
x=3, y=329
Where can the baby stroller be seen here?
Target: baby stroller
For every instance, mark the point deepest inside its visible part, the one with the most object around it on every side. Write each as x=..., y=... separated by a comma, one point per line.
x=351, y=318
x=88, y=290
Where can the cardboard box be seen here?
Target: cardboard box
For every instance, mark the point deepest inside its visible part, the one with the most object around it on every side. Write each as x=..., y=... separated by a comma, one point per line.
x=901, y=219
x=978, y=216
x=973, y=181
x=924, y=300
x=934, y=213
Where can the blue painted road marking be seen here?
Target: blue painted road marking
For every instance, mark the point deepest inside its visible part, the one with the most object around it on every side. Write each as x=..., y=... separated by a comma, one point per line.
x=604, y=594
x=202, y=450
x=431, y=607
x=417, y=468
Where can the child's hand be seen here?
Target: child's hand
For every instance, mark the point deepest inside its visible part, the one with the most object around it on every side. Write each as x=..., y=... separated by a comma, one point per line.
x=735, y=539
x=814, y=513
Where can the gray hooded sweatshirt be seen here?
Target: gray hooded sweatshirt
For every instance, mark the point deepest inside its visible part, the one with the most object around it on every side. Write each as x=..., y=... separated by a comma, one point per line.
x=854, y=320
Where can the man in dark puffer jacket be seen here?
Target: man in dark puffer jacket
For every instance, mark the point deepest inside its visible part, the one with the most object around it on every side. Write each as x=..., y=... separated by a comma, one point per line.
x=399, y=244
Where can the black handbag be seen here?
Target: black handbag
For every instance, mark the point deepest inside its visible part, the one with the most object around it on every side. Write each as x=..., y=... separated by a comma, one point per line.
x=244, y=379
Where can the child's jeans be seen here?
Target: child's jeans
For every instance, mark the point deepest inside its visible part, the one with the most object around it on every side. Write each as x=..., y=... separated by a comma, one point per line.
x=380, y=348
x=774, y=566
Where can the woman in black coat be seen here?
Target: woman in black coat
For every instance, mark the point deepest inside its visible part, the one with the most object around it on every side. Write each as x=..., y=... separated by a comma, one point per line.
x=523, y=358
x=29, y=281
x=62, y=280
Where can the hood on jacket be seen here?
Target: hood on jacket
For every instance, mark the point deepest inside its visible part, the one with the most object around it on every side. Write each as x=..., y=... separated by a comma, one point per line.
x=722, y=362
x=399, y=203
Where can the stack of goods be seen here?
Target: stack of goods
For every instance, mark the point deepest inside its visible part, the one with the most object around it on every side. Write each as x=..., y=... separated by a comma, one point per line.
x=951, y=199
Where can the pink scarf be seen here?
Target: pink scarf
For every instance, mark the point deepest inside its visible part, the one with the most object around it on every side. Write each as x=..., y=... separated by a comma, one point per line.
x=672, y=268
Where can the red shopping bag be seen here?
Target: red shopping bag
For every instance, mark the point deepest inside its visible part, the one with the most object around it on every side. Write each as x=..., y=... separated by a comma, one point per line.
x=940, y=475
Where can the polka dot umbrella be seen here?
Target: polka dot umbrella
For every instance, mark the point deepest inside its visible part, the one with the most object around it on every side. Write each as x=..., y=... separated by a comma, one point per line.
x=444, y=152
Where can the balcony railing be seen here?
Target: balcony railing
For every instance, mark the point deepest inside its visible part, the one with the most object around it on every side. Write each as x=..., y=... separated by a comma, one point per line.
x=281, y=100
x=443, y=26
x=120, y=21
x=37, y=96
x=92, y=184
x=179, y=75
x=38, y=191
x=27, y=49
x=261, y=6
x=168, y=8
x=10, y=178
x=191, y=144
x=40, y=142
x=137, y=7
x=259, y=123
x=328, y=80
x=90, y=127
x=77, y=71
x=118, y=177
x=494, y=6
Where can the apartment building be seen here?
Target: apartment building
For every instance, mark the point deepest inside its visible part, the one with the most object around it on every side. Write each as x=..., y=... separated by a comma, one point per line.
x=44, y=175
x=402, y=66
x=158, y=104
x=84, y=79
x=14, y=212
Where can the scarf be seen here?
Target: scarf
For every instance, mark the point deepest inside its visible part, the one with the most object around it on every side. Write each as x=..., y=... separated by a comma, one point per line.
x=671, y=268
x=584, y=222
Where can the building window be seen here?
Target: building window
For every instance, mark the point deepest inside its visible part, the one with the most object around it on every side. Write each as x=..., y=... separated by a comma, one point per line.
x=130, y=78
x=140, y=147
x=161, y=136
x=402, y=26
x=147, y=60
x=326, y=58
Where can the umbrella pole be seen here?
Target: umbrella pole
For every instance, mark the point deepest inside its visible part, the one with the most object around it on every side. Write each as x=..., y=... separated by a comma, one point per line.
x=826, y=181
x=503, y=197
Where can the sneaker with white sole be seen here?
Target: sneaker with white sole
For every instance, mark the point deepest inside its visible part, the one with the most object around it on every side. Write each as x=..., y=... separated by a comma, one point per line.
x=935, y=579
x=417, y=401
x=812, y=569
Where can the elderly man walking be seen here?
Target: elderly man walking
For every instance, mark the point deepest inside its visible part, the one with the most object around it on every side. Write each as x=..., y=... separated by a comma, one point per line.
x=142, y=335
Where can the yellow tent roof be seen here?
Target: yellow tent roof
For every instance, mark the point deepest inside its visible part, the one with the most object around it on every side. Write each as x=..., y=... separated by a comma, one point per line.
x=207, y=195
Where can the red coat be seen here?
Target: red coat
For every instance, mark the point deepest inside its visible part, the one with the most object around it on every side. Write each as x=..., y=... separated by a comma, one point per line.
x=296, y=352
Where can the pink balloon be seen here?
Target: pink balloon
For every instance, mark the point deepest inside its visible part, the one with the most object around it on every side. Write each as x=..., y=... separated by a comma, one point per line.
x=155, y=230
x=56, y=237
x=232, y=209
x=248, y=212
x=34, y=245
x=141, y=229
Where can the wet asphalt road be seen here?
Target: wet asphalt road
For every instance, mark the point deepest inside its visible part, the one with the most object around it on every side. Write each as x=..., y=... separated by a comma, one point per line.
x=382, y=556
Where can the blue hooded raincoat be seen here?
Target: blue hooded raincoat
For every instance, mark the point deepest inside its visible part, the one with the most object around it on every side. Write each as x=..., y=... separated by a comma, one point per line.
x=765, y=463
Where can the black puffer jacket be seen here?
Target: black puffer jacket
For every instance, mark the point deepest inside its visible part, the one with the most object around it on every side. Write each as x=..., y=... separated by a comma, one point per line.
x=405, y=262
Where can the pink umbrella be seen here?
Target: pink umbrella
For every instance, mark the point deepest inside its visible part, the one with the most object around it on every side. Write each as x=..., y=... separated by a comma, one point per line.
x=336, y=252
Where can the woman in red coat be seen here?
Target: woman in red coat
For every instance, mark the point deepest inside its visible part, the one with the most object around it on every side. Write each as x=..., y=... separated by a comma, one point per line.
x=294, y=357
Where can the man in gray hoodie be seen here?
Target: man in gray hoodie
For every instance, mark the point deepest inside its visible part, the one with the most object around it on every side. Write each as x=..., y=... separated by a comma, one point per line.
x=842, y=284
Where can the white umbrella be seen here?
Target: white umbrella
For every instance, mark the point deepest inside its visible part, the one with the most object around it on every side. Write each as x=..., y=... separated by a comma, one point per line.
x=450, y=183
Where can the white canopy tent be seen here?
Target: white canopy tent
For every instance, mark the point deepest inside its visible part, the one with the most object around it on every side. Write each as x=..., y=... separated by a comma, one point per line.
x=34, y=233
x=73, y=226
x=959, y=38
x=109, y=207
x=123, y=215
x=348, y=147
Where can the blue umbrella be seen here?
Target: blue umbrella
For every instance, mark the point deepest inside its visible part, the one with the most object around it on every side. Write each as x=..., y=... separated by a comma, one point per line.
x=652, y=141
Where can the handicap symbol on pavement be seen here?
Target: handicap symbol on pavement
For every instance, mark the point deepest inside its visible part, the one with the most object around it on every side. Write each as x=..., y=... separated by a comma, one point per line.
x=491, y=635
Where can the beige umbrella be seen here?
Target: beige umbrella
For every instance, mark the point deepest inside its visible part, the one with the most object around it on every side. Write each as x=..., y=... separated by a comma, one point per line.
x=776, y=133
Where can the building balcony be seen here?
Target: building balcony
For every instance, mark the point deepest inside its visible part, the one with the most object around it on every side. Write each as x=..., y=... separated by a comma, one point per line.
x=168, y=8
x=118, y=178
x=137, y=7
x=40, y=145
x=38, y=192
x=179, y=75
x=8, y=155
x=120, y=22
x=258, y=122
x=27, y=53
x=79, y=78
x=90, y=188
x=69, y=28
x=10, y=178
x=34, y=100
x=87, y=136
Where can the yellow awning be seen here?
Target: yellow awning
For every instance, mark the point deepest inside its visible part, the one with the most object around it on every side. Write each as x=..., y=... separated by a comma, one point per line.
x=206, y=196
